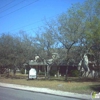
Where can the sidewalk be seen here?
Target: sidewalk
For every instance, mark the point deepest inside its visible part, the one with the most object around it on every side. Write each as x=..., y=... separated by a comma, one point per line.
x=47, y=91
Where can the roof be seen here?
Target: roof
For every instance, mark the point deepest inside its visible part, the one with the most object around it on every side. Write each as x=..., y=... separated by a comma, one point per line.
x=33, y=62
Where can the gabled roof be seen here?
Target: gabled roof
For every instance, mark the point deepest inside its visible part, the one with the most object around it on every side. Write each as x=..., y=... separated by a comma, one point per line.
x=33, y=63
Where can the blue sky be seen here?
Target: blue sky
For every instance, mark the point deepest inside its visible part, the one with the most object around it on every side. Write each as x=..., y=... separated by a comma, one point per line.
x=28, y=15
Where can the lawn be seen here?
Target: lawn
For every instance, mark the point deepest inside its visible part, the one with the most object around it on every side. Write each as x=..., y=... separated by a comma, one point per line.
x=73, y=84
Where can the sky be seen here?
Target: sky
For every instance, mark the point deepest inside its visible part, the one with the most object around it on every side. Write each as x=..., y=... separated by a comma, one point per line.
x=28, y=15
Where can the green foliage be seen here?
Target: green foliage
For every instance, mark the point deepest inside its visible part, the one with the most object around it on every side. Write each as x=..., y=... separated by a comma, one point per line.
x=53, y=72
x=22, y=71
x=78, y=27
x=74, y=73
x=41, y=73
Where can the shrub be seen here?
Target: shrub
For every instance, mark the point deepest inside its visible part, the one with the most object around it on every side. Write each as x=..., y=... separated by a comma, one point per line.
x=27, y=72
x=22, y=71
x=41, y=73
x=74, y=73
x=52, y=72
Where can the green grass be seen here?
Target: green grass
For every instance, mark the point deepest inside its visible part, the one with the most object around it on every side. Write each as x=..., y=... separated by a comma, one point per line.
x=73, y=84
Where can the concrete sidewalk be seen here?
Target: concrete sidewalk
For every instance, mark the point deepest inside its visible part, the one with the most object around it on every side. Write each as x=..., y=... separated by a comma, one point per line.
x=47, y=91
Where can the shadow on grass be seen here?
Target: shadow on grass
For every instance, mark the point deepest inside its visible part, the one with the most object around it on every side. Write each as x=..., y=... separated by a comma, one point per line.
x=14, y=77
x=71, y=79
x=95, y=88
x=77, y=79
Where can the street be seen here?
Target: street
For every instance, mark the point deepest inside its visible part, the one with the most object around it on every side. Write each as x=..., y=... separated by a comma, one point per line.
x=12, y=94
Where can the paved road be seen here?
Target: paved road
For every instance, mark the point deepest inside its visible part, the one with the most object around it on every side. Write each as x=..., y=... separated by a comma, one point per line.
x=12, y=94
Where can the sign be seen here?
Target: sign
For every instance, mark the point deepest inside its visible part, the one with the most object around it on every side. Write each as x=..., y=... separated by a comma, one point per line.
x=32, y=73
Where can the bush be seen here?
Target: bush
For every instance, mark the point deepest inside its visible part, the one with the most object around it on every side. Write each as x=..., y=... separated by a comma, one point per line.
x=52, y=73
x=22, y=71
x=41, y=73
x=27, y=72
x=74, y=73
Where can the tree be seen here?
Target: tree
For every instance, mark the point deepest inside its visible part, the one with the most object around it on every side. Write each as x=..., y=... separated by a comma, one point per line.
x=70, y=30
x=15, y=50
x=43, y=43
x=92, y=23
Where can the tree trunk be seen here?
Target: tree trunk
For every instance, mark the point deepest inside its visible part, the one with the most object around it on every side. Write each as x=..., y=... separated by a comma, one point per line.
x=14, y=72
x=48, y=71
x=45, y=71
x=57, y=71
x=66, y=77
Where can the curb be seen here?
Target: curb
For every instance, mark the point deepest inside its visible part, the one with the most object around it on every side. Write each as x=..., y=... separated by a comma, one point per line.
x=47, y=91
